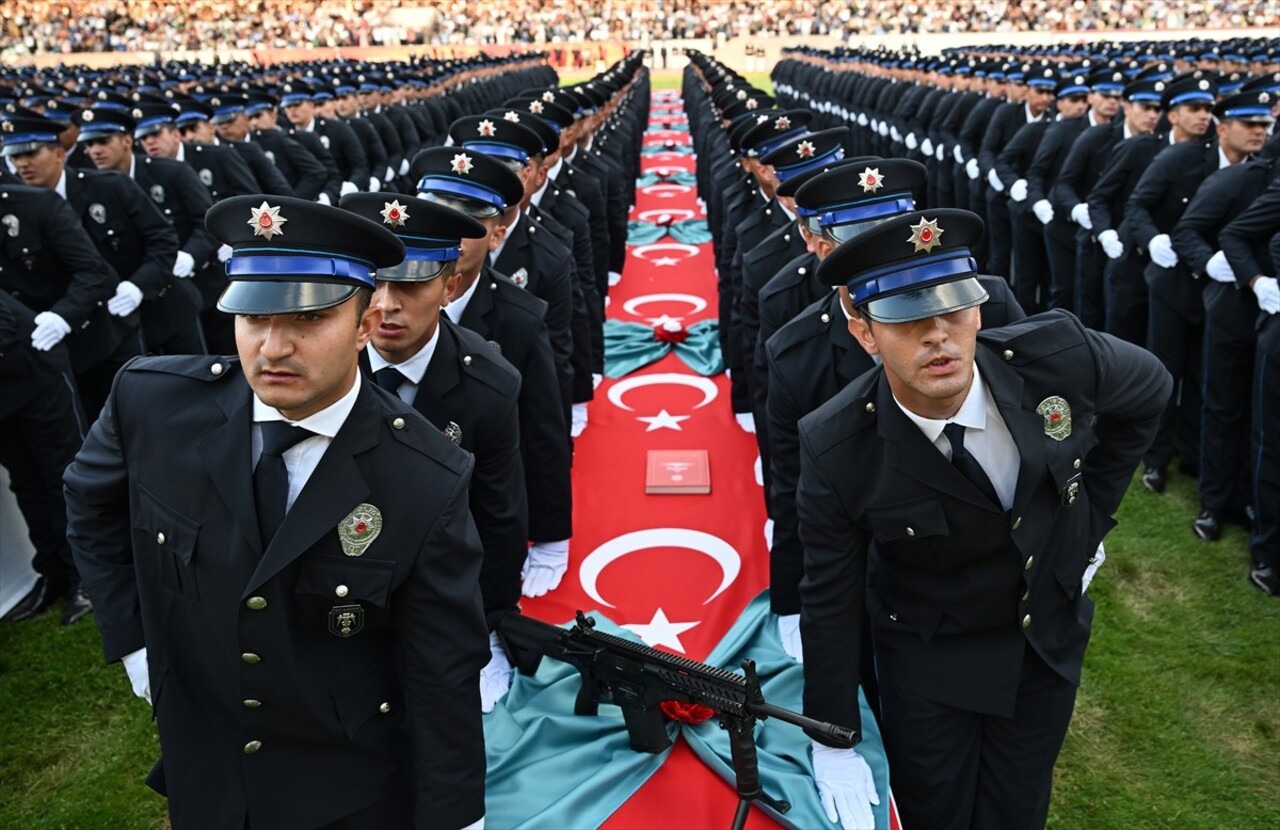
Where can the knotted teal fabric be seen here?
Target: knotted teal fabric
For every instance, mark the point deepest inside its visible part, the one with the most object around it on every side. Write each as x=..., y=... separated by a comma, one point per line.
x=681, y=177
x=688, y=231
x=659, y=149
x=632, y=346
x=643, y=233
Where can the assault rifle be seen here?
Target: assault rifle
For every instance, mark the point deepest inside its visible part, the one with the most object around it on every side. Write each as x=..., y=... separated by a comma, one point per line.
x=638, y=679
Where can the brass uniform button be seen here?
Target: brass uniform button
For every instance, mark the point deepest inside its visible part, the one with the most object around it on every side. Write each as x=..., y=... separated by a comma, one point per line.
x=252, y=747
x=216, y=368
x=252, y=704
x=826, y=318
x=341, y=590
x=1026, y=621
x=256, y=603
x=1075, y=465
x=398, y=423
x=1030, y=561
x=911, y=531
x=384, y=708
x=1017, y=523
x=1008, y=354
x=250, y=658
x=871, y=407
x=466, y=360
x=160, y=538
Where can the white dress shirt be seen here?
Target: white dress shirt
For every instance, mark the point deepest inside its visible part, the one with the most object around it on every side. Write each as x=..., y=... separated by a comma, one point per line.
x=301, y=459
x=986, y=437
x=455, y=308
x=413, y=369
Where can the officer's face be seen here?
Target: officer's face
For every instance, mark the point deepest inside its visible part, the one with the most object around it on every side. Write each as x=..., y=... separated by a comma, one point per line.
x=162, y=143
x=1104, y=107
x=410, y=314
x=234, y=130
x=201, y=131
x=262, y=120
x=474, y=251
x=1039, y=99
x=41, y=167
x=346, y=106
x=1072, y=105
x=1191, y=119
x=1241, y=138
x=1141, y=116
x=300, y=114
x=928, y=363
x=111, y=152
x=301, y=363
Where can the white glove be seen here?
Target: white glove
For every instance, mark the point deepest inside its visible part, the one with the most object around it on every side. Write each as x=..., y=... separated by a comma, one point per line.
x=184, y=266
x=894, y=134
x=544, y=567
x=135, y=665
x=1161, y=249
x=347, y=187
x=789, y=634
x=324, y=199
x=614, y=278
x=389, y=175
x=940, y=152
x=596, y=378
x=1266, y=289
x=1111, y=244
x=875, y=126
x=404, y=167
x=926, y=147
x=49, y=331
x=862, y=119
x=747, y=421
x=1098, y=559
x=578, y=419
x=1218, y=269
x=374, y=184
x=846, y=786
x=958, y=154
x=994, y=181
x=1043, y=211
x=1018, y=190
x=495, y=678
x=1080, y=215
x=127, y=299
x=911, y=141
x=224, y=252
x=883, y=130
x=971, y=169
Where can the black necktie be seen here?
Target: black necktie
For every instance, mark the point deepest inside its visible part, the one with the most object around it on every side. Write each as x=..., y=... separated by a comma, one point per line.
x=271, y=478
x=389, y=378
x=967, y=464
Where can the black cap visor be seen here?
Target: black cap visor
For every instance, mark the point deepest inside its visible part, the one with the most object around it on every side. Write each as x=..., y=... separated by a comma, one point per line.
x=929, y=301
x=283, y=297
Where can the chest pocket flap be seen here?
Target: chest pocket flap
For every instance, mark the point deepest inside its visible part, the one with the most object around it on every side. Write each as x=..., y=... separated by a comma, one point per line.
x=907, y=521
x=367, y=580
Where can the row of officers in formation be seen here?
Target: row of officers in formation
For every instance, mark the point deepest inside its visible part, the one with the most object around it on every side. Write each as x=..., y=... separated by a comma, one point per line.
x=105, y=255
x=1135, y=187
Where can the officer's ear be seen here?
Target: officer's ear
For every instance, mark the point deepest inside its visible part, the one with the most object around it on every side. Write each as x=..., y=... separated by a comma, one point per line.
x=368, y=316
x=859, y=326
x=498, y=234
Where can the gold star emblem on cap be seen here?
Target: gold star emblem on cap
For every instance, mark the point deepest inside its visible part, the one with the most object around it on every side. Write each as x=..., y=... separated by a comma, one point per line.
x=783, y=123
x=461, y=164
x=925, y=235
x=752, y=103
x=394, y=214
x=549, y=96
x=805, y=149
x=535, y=107
x=513, y=116
x=266, y=221
x=486, y=128
x=871, y=180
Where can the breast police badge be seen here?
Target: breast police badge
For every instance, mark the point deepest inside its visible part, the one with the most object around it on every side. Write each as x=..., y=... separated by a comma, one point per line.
x=357, y=531
x=1057, y=417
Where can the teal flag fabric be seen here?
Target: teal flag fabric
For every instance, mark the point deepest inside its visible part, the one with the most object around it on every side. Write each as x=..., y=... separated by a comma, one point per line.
x=682, y=177
x=643, y=233
x=786, y=771
x=551, y=768
x=658, y=149
x=691, y=231
x=632, y=346
x=673, y=125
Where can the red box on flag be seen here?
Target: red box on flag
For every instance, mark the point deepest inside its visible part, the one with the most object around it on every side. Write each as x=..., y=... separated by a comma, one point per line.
x=677, y=471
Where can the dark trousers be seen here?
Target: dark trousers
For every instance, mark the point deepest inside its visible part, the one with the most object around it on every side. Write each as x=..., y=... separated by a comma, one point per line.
x=1127, y=300
x=1229, y=342
x=1178, y=342
x=1091, y=289
x=1030, y=265
x=1264, y=544
x=959, y=770
x=37, y=442
x=999, y=235
x=1060, y=249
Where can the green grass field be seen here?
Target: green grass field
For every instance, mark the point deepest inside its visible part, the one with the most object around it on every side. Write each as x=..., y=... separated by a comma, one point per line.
x=1177, y=725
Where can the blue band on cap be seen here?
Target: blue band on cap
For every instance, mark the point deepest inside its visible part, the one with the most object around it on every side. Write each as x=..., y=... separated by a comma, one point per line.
x=188, y=116
x=1251, y=111
x=954, y=263
x=103, y=128
x=861, y=212
x=444, y=184
x=445, y=254
x=791, y=171
x=30, y=138
x=247, y=263
x=292, y=98
x=109, y=105
x=1193, y=97
x=254, y=109
x=499, y=149
x=1148, y=97
x=1046, y=83
x=1076, y=90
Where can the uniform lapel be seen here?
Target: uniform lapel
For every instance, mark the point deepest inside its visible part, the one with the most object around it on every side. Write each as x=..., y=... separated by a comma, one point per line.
x=476, y=316
x=227, y=455
x=440, y=378
x=332, y=491
x=1025, y=425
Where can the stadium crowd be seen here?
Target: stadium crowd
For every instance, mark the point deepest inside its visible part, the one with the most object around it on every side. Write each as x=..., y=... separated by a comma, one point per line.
x=43, y=26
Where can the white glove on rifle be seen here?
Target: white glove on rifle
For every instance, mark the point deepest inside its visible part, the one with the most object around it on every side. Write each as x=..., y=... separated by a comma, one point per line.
x=1161, y=249
x=1043, y=211
x=184, y=265
x=789, y=634
x=1111, y=244
x=994, y=181
x=846, y=787
x=495, y=678
x=1080, y=215
x=135, y=665
x=544, y=567
x=127, y=299
x=1267, y=290
x=1218, y=269
x=49, y=331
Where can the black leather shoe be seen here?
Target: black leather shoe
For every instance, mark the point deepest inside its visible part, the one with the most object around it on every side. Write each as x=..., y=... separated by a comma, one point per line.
x=1153, y=479
x=1266, y=579
x=77, y=607
x=38, y=600
x=1208, y=525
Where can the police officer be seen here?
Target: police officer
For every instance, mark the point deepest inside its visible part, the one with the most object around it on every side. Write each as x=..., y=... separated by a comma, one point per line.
x=986, y=469
x=336, y=137
x=460, y=383
x=308, y=627
x=491, y=305
x=221, y=171
x=228, y=109
x=261, y=113
x=304, y=176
